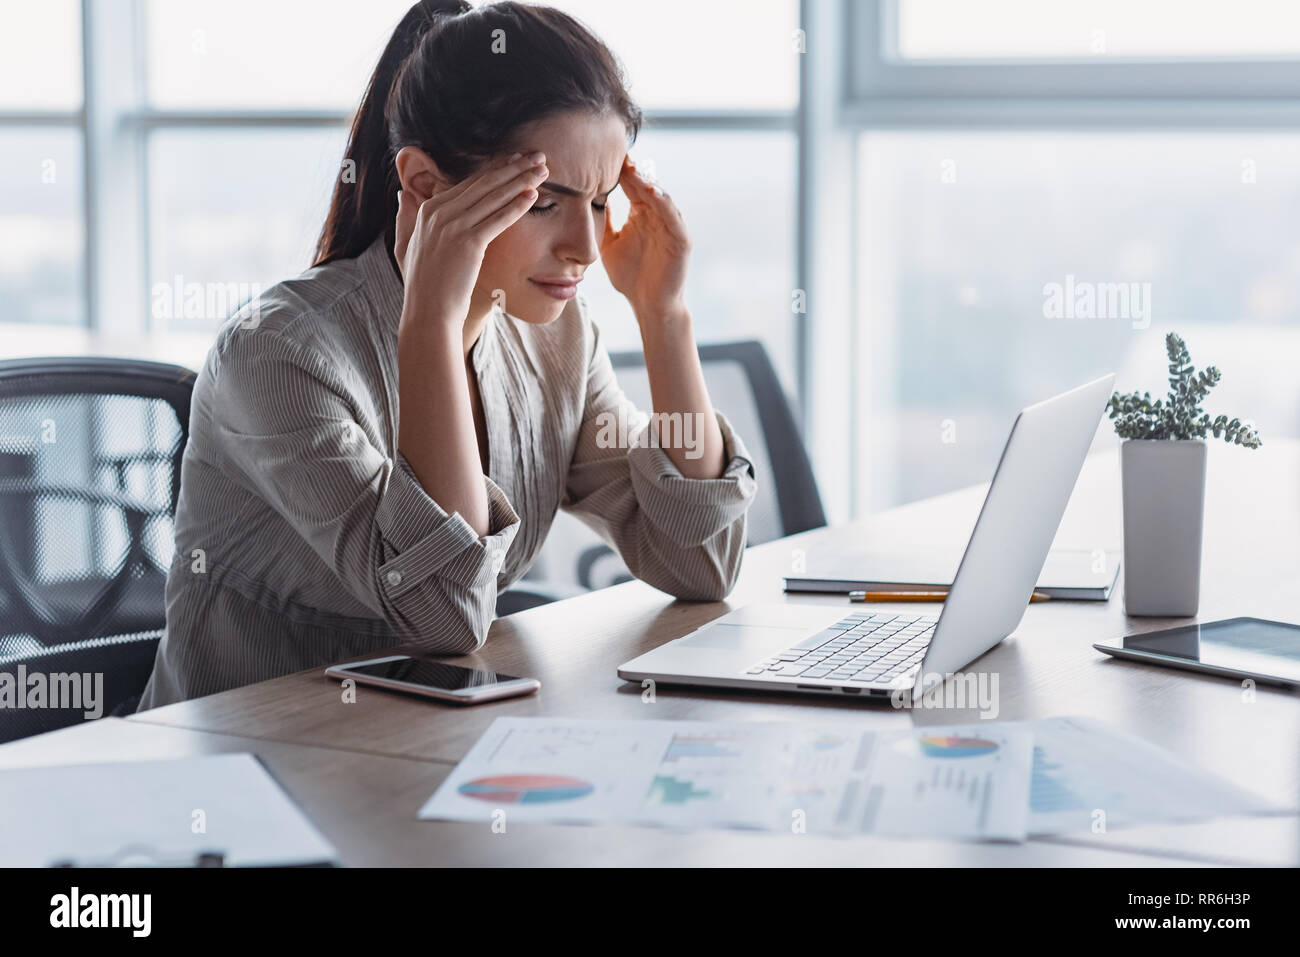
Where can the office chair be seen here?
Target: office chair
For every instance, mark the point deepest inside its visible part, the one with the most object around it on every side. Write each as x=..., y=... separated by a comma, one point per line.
x=90, y=458
x=744, y=386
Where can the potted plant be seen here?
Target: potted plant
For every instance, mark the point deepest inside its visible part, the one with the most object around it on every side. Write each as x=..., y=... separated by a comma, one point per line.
x=1162, y=467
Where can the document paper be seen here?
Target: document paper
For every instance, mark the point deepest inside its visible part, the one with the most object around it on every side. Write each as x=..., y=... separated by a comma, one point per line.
x=1088, y=776
x=154, y=812
x=755, y=775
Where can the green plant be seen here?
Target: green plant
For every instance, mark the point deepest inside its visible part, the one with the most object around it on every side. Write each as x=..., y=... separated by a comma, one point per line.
x=1181, y=417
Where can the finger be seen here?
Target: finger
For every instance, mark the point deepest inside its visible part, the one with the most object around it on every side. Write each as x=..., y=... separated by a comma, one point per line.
x=491, y=180
x=407, y=212
x=610, y=234
x=635, y=184
x=501, y=220
x=653, y=192
x=495, y=199
x=652, y=198
x=467, y=183
x=672, y=215
x=649, y=211
x=641, y=186
x=452, y=198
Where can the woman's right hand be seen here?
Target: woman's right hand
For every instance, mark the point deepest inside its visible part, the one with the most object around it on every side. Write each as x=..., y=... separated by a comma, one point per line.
x=440, y=242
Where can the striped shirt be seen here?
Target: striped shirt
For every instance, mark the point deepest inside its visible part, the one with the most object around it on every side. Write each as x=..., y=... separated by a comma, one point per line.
x=303, y=537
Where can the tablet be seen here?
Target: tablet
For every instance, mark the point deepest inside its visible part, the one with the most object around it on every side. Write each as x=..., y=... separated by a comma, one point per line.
x=1268, y=651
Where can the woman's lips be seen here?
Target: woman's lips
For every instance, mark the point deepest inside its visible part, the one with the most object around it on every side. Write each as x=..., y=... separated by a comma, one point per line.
x=557, y=290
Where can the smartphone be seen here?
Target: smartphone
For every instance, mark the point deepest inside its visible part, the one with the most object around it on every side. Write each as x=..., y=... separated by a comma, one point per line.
x=434, y=679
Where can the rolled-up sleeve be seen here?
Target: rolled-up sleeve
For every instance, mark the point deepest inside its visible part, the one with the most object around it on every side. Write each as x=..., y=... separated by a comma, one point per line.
x=290, y=428
x=685, y=536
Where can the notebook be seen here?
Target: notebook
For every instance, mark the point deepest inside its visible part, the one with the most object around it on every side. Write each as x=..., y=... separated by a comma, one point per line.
x=1077, y=575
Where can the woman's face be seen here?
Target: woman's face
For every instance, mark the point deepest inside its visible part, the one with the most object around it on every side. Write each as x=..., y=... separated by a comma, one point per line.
x=536, y=263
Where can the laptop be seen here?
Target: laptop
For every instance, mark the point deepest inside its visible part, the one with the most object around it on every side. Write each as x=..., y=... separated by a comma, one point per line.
x=873, y=651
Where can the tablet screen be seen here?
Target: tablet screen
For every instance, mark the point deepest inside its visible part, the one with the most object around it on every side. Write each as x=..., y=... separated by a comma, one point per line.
x=1242, y=644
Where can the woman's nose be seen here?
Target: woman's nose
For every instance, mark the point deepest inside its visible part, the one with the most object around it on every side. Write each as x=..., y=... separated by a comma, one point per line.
x=580, y=242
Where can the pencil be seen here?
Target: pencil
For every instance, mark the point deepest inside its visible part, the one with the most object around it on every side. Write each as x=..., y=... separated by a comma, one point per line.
x=921, y=596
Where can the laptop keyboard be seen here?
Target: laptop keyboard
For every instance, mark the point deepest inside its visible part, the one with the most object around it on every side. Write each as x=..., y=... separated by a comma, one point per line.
x=862, y=648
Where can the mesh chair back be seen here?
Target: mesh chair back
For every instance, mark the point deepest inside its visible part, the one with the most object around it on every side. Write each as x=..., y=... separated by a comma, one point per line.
x=80, y=680
x=90, y=456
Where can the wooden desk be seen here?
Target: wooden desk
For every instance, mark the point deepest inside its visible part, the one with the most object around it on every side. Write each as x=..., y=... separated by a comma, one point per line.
x=1252, y=566
x=365, y=805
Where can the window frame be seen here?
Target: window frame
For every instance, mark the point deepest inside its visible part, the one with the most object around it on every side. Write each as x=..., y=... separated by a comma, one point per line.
x=881, y=88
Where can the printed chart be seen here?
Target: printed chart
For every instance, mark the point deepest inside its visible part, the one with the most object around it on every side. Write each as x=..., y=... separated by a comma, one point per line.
x=989, y=780
x=769, y=776
x=525, y=789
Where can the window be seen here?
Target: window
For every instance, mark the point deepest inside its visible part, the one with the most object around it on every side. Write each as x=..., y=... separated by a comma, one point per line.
x=42, y=227
x=42, y=238
x=921, y=176
x=236, y=206
x=693, y=55
x=1021, y=52
x=742, y=261
x=40, y=57
x=213, y=129
x=234, y=211
x=1087, y=29
x=733, y=178
x=255, y=55
x=971, y=241
x=1003, y=169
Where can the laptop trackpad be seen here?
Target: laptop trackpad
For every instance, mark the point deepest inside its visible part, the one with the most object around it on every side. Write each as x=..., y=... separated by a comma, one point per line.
x=739, y=637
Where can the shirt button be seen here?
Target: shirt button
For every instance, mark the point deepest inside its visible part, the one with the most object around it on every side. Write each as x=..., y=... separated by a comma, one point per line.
x=497, y=559
x=393, y=578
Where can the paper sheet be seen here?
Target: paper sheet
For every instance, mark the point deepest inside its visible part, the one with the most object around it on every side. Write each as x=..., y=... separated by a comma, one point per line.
x=1088, y=774
x=767, y=776
x=154, y=812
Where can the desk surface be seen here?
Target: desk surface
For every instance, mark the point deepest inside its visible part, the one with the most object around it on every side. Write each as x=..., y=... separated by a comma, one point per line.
x=1048, y=667
x=366, y=804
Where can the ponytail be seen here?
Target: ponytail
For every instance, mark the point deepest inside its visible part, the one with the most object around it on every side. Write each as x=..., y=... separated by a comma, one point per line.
x=363, y=210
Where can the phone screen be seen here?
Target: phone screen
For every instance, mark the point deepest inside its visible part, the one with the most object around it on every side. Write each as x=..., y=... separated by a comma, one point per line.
x=433, y=674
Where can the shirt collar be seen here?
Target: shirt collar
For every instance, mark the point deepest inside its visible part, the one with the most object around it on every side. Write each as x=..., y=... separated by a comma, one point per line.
x=383, y=281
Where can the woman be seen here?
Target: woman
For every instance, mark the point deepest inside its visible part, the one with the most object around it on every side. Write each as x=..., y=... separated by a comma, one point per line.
x=380, y=445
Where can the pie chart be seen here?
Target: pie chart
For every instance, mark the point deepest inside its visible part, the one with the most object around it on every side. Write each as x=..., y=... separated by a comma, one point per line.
x=525, y=789
x=950, y=747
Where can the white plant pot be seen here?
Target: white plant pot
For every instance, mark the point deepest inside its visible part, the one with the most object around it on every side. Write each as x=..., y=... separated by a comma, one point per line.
x=1164, y=506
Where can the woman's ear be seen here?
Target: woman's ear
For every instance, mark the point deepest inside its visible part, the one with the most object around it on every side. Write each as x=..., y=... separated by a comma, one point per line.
x=419, y=174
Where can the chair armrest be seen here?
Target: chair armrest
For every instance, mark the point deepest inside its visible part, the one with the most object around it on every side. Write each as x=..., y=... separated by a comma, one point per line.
x=85, y=493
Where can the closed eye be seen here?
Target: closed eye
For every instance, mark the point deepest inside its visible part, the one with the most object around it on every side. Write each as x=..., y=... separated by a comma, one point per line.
x=543, y=210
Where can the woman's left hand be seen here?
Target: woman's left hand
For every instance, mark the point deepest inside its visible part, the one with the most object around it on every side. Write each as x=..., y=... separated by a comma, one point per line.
x=646, y=259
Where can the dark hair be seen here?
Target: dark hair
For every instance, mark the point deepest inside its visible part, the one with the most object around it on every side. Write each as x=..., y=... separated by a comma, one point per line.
x=444, y=85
